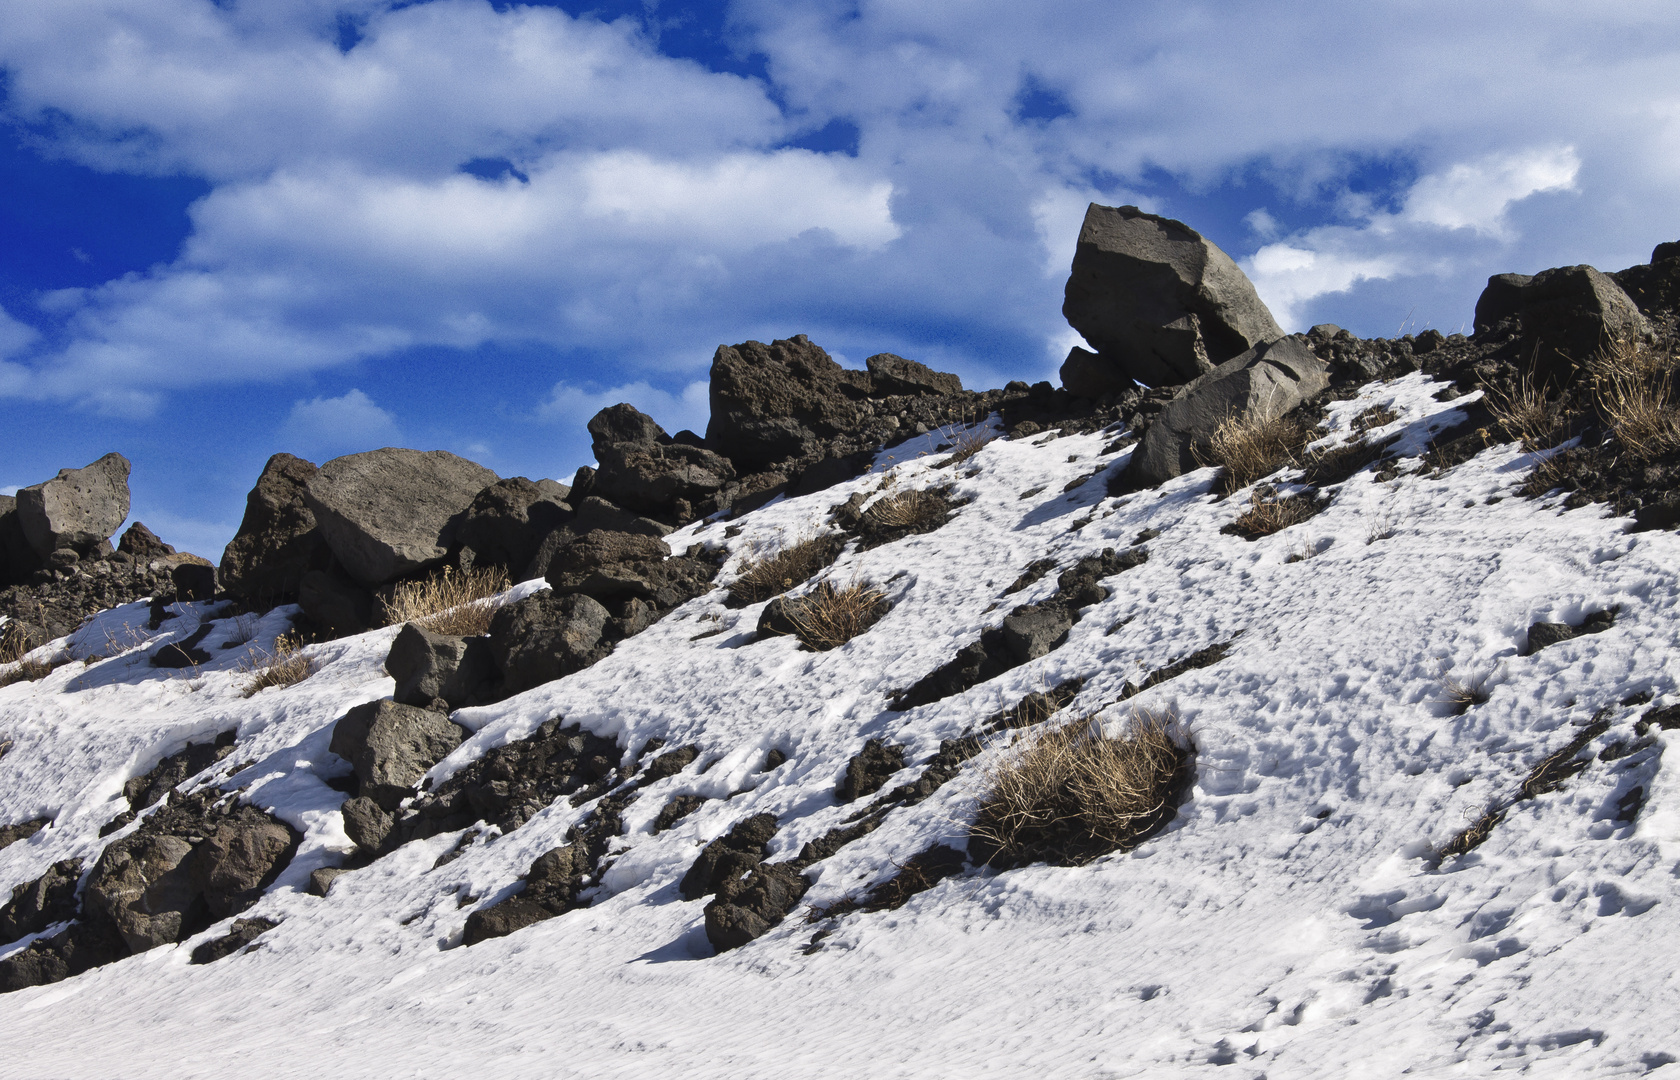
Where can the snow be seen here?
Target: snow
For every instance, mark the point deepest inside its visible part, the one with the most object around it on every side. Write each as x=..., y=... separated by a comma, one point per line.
x=1290, y=922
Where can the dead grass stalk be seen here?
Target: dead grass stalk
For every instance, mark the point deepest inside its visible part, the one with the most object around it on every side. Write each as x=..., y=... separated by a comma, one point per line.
x=778, y=571
x=1634, y=388
x=285, y=666
x=1249, y=448
x=828, y=617
x=449, y=602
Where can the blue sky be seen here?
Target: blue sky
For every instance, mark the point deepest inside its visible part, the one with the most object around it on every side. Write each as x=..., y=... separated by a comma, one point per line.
x=321, y=226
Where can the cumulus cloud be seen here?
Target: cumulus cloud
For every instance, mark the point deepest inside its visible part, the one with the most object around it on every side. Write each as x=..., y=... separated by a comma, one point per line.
x=351, y=422
x=1475, y=194
x=14, y=336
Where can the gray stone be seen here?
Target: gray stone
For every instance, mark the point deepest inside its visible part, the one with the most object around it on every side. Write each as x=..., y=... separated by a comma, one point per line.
x=36, y=905
x=1159, y=302
x=143, y=884
x=277, y=542
x=1036, y=630
x=393, y=511
x=77, y=509
x=234, y=863
x=1564, y=316
x=1261, y=384
x=391, y=746
x=894, y=375
x=366, y=823
x=762, y=901
x=544, y=637
x=509, y=520
x=429, y=666
x=320, y=881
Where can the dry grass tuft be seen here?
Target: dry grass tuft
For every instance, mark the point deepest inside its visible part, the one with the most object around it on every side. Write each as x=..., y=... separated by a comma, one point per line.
x=826, y=617
x=1375, y=417
x=1462, y=695
x=1269, y=513
x=14, y=646
x=966, y=443
x=1072, y=793
x=1634, y=388
x=1528, y=415
x=1249, y=449
x=777, y=572
x=448, y=602
x=914, y=509
x=285, y=666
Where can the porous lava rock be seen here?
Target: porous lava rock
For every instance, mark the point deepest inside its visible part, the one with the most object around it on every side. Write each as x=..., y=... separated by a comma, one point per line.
x=1562, y=317
x=546, y=636
x=1159, y=302
x=430, y=667
x=644, y=470
x=79, y=509
x=277, y=542
x=391, y=747
x=390, y=512
x=507, y=522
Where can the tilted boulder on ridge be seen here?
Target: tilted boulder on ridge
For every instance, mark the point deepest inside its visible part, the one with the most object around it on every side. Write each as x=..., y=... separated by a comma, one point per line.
x=78, y=509
x=1160, y=303
x=277, y=542
x=1261, y=384
x=393, y=511
x=18, y=560
x=1560, y=317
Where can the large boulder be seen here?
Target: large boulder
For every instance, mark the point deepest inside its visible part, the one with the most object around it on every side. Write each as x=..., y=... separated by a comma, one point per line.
x=508, y=521
x=335, y=604
x=143, y=885
x=1159, y=302
x=1261, y=384
x=393, y=511
x=643, y=470
x=430, y=666
x=779, y=402
x=78, y=509
x=544, y=637
x=18, y=559
x=391, y=746
x=1563, y=316
x=892, y=376
x=277, y=543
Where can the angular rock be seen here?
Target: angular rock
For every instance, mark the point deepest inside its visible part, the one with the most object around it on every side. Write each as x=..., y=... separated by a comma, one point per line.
x=241, y=934
x=891, y=375
x=870, y=769
x=162, y=778
x=239, y=858
x=1159, y=302
x=78, y=509
x=679, y=807
x=143, y=886
x=753, y=909
x=1085, y=374
x=1261, y=384
x=36, y=905
x=428, y=666
x=18, y=560
x=508, y=521
x=729, y=856
x=1562, y=316
x=366, y=823
x=618, y=566
x=277, y=542
x=11, y=834
x=143, y=543
x=393, y=511
x=391, y=747
x=551, y=888
x=73, y=950
x=544, y=637
x=778, y=402
x=1036, y=631
x=673, y=482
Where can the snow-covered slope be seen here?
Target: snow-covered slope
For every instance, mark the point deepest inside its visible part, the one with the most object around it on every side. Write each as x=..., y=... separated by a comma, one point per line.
x=1292, y=921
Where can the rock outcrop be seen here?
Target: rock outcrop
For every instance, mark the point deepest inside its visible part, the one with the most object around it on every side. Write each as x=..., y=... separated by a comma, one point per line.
x=77, y=511
x=432, y=667
x=1261, y=384
x=277, y=542
x=1159, y=302
x=644, y=470
x=546, y=636
x=385, y=513
x=507, y=523
x=1561, y=317
x=391, y=746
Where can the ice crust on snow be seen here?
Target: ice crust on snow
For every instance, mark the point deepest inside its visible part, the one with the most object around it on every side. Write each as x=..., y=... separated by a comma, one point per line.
x=1290, y=921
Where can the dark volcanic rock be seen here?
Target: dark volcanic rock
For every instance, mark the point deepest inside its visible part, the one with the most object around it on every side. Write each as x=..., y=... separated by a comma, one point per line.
x=335, y=604
x=1561, y=316
x=391, y=747
x=779, y=402
x=78, y=509
x=23, y=830
x=729, y=857
x=551, y=888
x=1260, y=384
x=508, y=522
x=36, y=905
x=18, y=560
x=891, y=375
x=277, y=542
x=644, y=470
x=546, y=636
x=430, y=666
x=241, y=934
x=870, y=769
x=142, y=543
x=162, y=778
x=1542, y=634
x=748, y=911
x=1160, y=303
x=613, y=567
x=393, y=511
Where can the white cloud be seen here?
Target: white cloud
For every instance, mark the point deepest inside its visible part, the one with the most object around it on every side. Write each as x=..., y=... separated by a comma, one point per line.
x=573, y=406
x=1475, y=194
x=14, y=336
x=348, y=423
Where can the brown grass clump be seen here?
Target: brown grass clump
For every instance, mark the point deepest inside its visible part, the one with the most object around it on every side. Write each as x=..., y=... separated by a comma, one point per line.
x=448, y=602
x=1269, y=513
x=1070, y=794
x=285, y=666
x=966, y=443
x=826, y=617
x=1249, y=449
x=915, y=510
x=1463, y=695
x=1374, y=417
x=781, y=570
x=1528, y=415
x=1634, y=388
x=14, y=646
